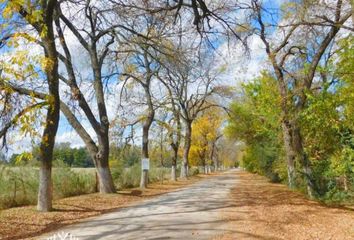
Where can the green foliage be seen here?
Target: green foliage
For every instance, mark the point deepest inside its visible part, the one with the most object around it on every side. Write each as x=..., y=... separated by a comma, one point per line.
x=125, y=156
x=65, y=155
x=326, y=124
x=255, y=121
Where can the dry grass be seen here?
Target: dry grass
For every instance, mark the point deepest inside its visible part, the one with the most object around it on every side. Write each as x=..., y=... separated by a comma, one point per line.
x=26, y=222
x=262, y=210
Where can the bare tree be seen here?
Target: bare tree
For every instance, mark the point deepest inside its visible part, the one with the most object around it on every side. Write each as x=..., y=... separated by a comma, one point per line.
x=191, y=84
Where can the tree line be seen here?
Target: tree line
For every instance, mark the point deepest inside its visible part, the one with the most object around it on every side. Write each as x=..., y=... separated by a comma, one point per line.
x=295, y=118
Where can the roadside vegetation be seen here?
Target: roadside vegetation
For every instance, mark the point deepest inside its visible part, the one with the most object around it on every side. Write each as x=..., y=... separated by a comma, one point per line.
x=326, y=129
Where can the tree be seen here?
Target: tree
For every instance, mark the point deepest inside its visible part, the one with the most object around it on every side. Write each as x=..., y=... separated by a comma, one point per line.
x=255, y=121
x=295, y=64
x=39, y=15
x=144, y=79
x=206, y=132
x=180, y=79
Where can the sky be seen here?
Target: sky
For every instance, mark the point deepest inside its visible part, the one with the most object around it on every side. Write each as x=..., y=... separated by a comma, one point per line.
x=240, y=68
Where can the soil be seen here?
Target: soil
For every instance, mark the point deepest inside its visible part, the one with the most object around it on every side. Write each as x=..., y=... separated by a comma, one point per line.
x=263, y=210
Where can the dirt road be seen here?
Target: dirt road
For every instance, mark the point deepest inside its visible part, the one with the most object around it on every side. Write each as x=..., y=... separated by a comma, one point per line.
x=189, y=213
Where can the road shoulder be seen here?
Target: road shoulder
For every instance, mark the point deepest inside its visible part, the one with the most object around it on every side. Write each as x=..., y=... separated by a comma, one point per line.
x=263, y=210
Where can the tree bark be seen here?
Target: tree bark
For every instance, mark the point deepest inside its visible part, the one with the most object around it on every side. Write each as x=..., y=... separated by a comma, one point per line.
x=289, y=153
x=45, y=191
x=146, y=128
x=174, y=164
x=145, y=154
x=105, y=180
x=187, y=146
x=213, y=158
x=303, y=159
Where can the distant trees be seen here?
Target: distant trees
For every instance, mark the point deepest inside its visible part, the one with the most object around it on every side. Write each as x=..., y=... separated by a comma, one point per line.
x=206, y=132
x=72, y=157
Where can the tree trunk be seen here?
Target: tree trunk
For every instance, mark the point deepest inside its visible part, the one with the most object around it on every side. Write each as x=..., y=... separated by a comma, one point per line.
x=352, y=6
x=345, y=183
x=174, y=173
x=187, y=146
x=174, y=164
x=98, y=154
x=105, y=180
x=213, y=158
x=303, y=159
x=145, y=154
x=145, y=147
x=45, y=191
x=289, y=152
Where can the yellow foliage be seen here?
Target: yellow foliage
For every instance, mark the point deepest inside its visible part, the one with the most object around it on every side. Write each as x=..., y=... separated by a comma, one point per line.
x=205, y=131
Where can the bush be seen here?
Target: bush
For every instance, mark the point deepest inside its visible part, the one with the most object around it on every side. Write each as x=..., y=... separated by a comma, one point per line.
x=336, y=196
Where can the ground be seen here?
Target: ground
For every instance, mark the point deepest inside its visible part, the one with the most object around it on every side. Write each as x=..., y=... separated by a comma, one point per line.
x=262, y=210
x=231, y=205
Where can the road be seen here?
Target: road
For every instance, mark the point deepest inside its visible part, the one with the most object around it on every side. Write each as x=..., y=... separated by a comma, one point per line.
x=192, y=212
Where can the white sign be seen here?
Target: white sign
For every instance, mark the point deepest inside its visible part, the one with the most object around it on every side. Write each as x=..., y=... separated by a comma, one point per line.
x=145, y=164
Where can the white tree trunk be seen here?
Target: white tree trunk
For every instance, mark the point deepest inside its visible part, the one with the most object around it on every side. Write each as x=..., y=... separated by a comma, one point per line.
x=45, y=191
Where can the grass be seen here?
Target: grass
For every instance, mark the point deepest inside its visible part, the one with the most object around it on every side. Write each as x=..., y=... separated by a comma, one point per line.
x=19, y=185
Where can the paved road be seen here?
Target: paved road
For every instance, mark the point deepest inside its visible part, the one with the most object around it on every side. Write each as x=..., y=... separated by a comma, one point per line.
x=189, y=213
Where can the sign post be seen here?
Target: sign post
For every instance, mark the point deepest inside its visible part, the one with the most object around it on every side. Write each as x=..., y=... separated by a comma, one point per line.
x=145, y=164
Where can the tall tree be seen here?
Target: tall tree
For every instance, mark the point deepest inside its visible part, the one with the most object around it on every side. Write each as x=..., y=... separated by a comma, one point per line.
x=181, y=79
x=39, y=15
x=294, y=82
